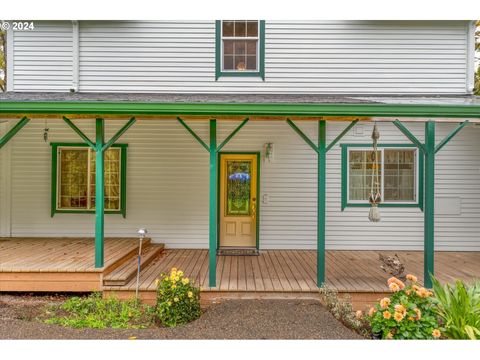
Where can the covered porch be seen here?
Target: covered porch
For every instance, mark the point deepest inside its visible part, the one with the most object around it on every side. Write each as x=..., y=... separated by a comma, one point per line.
x=74, y=108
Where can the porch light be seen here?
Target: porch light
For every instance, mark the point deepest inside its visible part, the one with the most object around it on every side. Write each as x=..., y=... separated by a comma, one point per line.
x=142, y=232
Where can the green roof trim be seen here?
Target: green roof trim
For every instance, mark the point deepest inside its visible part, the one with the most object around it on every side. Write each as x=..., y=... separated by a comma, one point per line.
x=97, y=108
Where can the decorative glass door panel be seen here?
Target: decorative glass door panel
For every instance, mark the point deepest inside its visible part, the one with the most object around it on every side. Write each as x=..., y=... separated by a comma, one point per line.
x=238, y=187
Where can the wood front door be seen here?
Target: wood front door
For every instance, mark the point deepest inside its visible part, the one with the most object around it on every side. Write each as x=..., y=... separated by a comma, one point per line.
x=238, y=200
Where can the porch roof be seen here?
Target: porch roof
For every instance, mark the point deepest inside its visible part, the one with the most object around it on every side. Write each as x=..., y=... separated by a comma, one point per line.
x=259, y=106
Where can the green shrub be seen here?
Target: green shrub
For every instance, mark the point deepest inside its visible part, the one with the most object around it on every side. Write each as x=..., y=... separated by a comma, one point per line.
x=98, y=313
x=178, y=301
x=407, y=314
x=459, y=308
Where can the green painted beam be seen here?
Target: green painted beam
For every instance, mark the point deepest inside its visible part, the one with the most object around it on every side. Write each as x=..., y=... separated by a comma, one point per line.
x=302, y=135
x=342, y=134
x=131, y=108
x=429, y=205
x=99, y=192
x=321, y=200
x=195, y=136
x=212, y=242
x=79, y=132
x=13, y=131
x=119, y=133
x=450, y=136
x=232, y=134
x=409, y=135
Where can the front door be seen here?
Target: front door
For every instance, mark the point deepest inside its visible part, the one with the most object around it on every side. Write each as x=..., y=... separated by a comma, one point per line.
x=238, y=200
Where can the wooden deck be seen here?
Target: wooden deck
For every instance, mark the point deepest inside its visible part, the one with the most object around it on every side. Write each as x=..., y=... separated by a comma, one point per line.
x=292, y=273
x=67, y=264
x=58, y=264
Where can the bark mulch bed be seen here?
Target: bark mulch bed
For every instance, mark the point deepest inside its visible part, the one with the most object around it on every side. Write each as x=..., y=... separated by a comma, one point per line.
x=232, y=319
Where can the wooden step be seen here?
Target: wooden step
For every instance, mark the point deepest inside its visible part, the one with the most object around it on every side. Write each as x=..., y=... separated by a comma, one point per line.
x=128, y=270
x=126, y=257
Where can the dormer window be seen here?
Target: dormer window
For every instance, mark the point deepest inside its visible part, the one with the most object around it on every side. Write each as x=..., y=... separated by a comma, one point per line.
x=240, y=47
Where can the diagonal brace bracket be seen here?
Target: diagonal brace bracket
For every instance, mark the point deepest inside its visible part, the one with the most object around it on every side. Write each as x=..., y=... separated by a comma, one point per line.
x=13, y=131
x=409, y=135
x=449, y=137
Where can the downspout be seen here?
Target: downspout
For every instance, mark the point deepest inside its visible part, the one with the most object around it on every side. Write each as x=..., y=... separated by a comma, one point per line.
x=9, y=60
x=75, y=55
x=470, y=66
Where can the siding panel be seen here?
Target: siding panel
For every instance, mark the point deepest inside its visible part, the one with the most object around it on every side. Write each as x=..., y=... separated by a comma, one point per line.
x=168, y=187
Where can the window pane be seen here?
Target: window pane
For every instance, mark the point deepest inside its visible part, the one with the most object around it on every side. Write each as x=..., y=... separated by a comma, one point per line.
x=251, y=47
x=240, y=63
x=228, y=63
x=360, y=173
x=111, y=180
x=240, y=47
x=238, y=187
x=73, y=179
x=228, y=47
x=251, y=63
x=227, y=28
x=252, y=28
x=399, y=175
x=240, y=28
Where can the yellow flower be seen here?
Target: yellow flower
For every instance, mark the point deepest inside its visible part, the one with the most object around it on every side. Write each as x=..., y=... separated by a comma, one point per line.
x=436, y=333
x=174, y=270
x=359, y=314
x=177, y=278
x=387, y=315
x=384, y=303
x=391, y=280
x=190, y=294
x=408, y=292
x=389, y=336
x=415, y=287
x=394, y=287
x=169, y=303
x=400, y=308
x=185, y=281
x=372, y=311
x=180, y=273
x=398, y=316
x=157, y=281
x=174, y=287
x=423, y=293
x=419, y=313
x=412, y=278
x=411, y=318
x=175, y=299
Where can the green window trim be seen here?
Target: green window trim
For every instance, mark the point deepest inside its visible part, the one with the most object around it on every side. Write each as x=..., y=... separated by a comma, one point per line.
x=218, y=54
x=54, y=180
x=344, y=176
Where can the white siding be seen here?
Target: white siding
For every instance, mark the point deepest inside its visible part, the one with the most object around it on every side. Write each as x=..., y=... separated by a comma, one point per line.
x=168, y=187
x=43, y=57
x=333, y=57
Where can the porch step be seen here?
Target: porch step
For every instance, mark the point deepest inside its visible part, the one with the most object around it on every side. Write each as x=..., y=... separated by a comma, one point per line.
x=128, y=270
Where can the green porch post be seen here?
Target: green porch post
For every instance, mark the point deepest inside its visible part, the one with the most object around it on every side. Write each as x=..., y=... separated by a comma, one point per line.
x=99, y=192
x=212, y=269
x=321, y=200
x=429, y=210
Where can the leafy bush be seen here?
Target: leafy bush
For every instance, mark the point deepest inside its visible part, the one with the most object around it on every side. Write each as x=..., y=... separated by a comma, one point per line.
x=178, y=301
x=459, y=308
x=407, y=314
x=342, y=310
x=98, y=313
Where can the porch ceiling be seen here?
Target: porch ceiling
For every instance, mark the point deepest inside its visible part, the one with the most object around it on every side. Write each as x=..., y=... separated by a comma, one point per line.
x=232, y=106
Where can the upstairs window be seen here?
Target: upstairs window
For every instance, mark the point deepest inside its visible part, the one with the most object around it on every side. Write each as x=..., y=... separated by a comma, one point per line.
x=240, y=48
x=399, y=171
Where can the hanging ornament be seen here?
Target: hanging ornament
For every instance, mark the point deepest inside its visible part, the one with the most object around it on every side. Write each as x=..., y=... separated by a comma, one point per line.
x=375, y=196
x=45, y=131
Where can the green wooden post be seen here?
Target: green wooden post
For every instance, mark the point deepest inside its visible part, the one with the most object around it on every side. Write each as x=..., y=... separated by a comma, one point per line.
x=99, y=193
x=212, y=269
x=321, y=200
x=429, y=211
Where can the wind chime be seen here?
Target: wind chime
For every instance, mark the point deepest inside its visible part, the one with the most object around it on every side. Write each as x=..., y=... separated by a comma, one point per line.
x=375, y=196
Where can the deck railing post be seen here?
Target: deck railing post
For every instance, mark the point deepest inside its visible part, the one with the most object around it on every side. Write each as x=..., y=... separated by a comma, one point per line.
x=321, y=200
x=99, y=192
x=212, y=269
x=429, y=210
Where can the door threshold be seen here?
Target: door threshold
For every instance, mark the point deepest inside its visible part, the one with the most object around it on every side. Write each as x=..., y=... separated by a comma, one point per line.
x=238, y=252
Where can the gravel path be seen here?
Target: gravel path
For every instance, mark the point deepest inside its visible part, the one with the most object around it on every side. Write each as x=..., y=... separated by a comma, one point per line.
x=232, y=319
